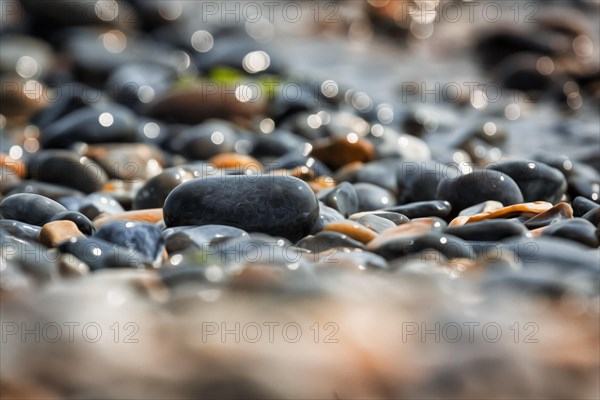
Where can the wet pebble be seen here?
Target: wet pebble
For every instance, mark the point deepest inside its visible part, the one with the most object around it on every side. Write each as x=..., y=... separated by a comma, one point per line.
x=536, y=180
x=20, y=229
x=96, y=204
x=343, y=198
x=56, y=232
x=277, y=205
x=578, y=229
x=100, y=254
x=184, y=238
x=83, y=223
x=436, y=208
x=477, y=187
x=352, y=229
x=372, y=197
x=29, y=208
x=491, y=230
x=144, y=238
x=558, y=213
x=326, y=240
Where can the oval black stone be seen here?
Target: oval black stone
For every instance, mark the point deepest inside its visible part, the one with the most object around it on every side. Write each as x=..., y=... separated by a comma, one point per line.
x=30, y=208
x=536, y=180
x=477, y=187
x=490, y=230
x=578, y=229
x=277, y=205
x=420, y=209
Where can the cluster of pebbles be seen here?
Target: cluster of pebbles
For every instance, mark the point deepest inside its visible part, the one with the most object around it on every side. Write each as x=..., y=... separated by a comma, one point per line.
x=143, y=183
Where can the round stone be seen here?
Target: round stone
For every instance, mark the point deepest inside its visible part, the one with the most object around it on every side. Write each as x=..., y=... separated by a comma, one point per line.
x=29, y=208
x=277, y=205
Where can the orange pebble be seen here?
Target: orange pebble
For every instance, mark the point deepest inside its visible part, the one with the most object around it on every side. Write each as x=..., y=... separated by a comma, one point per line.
x=55, y=232
x=236, y=161
x=16, y=166
x=353, y=229
x=536, y=207
x=152, y=215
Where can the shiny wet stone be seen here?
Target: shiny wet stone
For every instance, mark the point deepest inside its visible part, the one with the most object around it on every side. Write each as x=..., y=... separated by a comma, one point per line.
x=20, y=229
x=396, y=218
x=83, y=223
x=558, y=213
x=185, y=238
x=96, y=204
x=374, y=222
x=477, y=187
x=326, y=240
x=342, y=198
x=372, y=197
x=536, y=180
x=418, y=181
x=578, y=229
x=29, y=208
x=55, y=232
x=491, y=230
x=277, y=205
x=100, y=254
x=144, y=238
x=433, y=208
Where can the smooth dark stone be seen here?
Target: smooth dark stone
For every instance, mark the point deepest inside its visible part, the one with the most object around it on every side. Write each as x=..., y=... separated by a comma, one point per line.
x=144, y=238
x=582, y=205
x=326, y=240
x=277, y=205
x=99, y=254
x=396, y=218
x=580, y=186
x=84, y=125
x=156, y=189
x=536, y=180
x=20, y=229
x=183, y=238
x=579, y=230
x=73, y=97
x=50, y=190
x=256, y=248
x=447, y=245
x=125, y=82
x=381, y=173
x=206, y=140
x=327, y=215
x=71, y=203
x=99, y=203
x=418, y=181
x=490, y=230
x=434, y=208
x=67, y=168
x=83, y=223
x=29, y=208
x=372, y=197
x=593, y=216
x=375, y=222
x=343, y=198
x=477, y=187
x=294, y=159
x=276, y=144
x=555, y=254
x=558, y=213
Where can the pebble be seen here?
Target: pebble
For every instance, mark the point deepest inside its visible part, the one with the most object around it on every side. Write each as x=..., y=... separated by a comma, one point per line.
x=341, y=151
x=536, y=180
x=20, y=229
x=477, y=187
x=67, y=168
x=278, y=205
x=343, y=198
x=578, y=229
x=419, y=181
x=152, y=215
x=372, y=197
x=144, y=238
x=558, y=213
x=487, y=230
x=100, y=254
x=29, y=208
x=96, y=204
x=184, y=238
x=396, y=218
x=83, y=223
x=327, y=239
x=436, y=208
x=91, y=125
x=156, y=189
x=527, y=210
x=206, y=140
x=56, y=232
x=353, y=230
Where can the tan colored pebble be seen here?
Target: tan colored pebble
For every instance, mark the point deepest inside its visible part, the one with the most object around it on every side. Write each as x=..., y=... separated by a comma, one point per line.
x=152, y=215
x=353, y=229
x=536, y=207
x=236, y=161
x=342, y=151
x=16, y=166
x=56, y=232
x=404, y=230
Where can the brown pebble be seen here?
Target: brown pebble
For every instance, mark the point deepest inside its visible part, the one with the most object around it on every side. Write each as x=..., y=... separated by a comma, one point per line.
x=536, y=207
x=56, y=232
x=152, y=215
x=404, y=230
x=343, y=151
x=353, y=229
x=15, y=166
x=236, y=161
